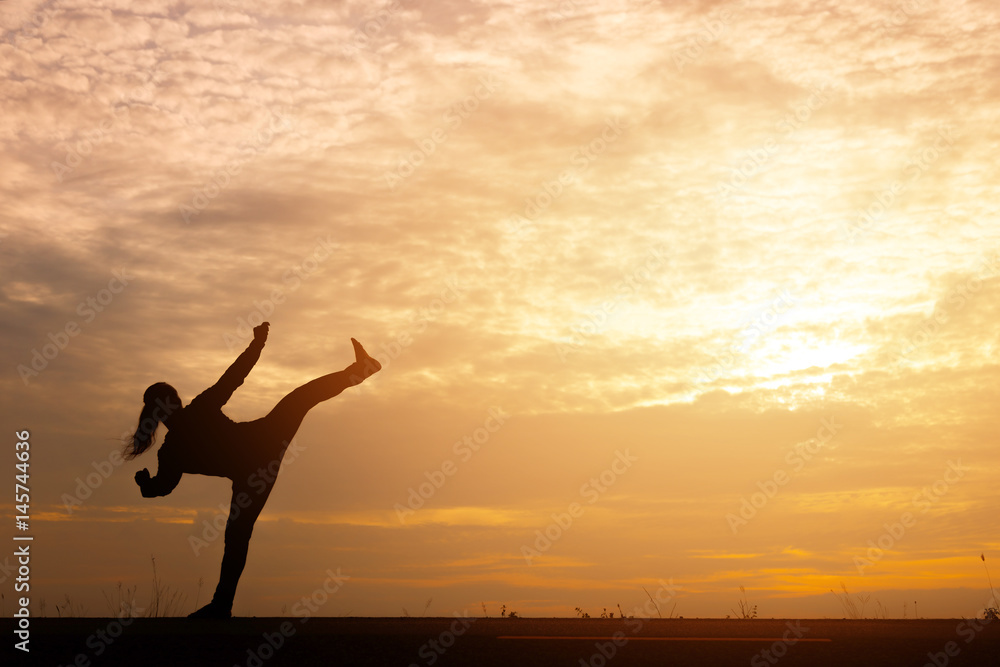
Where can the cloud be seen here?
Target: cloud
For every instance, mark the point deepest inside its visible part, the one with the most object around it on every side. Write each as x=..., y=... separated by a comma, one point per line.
x=448, y=183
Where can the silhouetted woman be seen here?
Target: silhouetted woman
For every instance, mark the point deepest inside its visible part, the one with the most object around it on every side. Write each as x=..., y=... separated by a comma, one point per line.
x=202, y=440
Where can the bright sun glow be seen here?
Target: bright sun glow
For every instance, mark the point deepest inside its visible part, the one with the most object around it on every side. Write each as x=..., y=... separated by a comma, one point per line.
x=618, y=259
x=781, y=357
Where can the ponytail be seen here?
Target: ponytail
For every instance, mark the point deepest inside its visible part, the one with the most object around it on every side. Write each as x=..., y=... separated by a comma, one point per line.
x=144, y=433
x=150, y=418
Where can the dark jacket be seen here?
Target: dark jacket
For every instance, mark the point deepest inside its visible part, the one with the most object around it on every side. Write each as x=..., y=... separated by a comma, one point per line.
x=204, y=441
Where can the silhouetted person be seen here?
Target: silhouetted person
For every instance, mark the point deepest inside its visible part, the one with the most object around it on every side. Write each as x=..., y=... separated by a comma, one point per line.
x=202, y=440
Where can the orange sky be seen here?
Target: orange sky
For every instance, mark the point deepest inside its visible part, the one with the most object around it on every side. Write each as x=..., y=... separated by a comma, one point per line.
x=706, y=291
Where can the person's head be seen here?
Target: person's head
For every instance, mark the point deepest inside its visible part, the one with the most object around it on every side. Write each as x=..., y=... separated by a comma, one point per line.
x=158, y=403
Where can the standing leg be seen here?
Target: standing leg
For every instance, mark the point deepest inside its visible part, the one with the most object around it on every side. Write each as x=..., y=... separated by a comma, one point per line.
x=245, y=507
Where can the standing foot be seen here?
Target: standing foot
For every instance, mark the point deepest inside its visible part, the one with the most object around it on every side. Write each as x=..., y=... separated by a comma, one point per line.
x=213, y=610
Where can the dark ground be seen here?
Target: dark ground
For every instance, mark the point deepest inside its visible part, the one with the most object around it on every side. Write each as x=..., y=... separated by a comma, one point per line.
x=250, y=642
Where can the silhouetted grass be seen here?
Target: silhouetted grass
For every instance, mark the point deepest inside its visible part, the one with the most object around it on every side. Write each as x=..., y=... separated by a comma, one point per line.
x=747, y=611
x=121, y=601
x=164, y=600
x=990, y=613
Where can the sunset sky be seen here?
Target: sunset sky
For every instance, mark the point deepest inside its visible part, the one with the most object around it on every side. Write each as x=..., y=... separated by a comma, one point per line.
x=714, y=285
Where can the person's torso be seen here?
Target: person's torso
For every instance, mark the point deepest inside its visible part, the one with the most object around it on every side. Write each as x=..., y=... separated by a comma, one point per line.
x=203, y=440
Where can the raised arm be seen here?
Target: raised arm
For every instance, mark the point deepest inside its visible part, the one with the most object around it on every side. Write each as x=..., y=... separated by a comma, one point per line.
x=220, y=393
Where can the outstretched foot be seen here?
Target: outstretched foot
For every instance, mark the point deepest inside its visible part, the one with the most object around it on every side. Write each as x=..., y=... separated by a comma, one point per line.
x=364, y=362
x=212, y=610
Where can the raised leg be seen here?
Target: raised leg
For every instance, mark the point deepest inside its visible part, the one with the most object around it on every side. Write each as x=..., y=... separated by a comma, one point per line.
x=284, y=419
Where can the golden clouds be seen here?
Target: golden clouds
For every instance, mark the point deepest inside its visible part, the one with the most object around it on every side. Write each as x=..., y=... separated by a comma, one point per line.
x=694, y=230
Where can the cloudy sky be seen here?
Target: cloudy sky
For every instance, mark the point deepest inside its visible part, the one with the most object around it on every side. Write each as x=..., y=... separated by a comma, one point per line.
x=702, y=292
